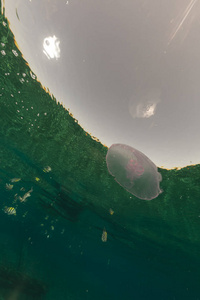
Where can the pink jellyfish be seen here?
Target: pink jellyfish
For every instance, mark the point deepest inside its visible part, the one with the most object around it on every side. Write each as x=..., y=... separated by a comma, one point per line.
x=134, y=171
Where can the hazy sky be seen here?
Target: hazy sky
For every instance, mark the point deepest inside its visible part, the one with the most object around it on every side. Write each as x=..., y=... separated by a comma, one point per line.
x=128, y=70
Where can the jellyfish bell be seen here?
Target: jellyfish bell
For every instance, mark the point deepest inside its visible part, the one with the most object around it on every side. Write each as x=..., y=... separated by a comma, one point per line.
x=134, y=171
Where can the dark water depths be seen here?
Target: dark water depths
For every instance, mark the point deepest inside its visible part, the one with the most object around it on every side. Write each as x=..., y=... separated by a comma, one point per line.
x=51, y=239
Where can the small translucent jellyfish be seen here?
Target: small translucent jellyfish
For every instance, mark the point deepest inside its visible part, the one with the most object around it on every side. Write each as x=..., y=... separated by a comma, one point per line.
x=134, y=171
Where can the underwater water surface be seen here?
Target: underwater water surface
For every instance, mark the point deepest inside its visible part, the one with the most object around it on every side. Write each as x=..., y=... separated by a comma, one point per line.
x=68, y=230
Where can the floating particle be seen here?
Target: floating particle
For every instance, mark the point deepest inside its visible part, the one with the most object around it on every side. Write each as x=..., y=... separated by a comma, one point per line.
x=111, y=211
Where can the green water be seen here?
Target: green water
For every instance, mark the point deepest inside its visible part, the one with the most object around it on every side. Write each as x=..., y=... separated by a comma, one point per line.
x=52, y=247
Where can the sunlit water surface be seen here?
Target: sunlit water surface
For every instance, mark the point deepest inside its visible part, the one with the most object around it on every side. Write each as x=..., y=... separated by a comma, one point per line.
x=68, y=230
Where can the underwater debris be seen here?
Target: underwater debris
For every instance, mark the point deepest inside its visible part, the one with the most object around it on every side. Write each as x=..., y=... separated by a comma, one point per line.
x=28, y=194
x=9, y=210
x=104, y=236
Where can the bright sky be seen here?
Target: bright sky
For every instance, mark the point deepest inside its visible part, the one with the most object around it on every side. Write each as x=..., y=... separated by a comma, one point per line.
x=128, y=70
